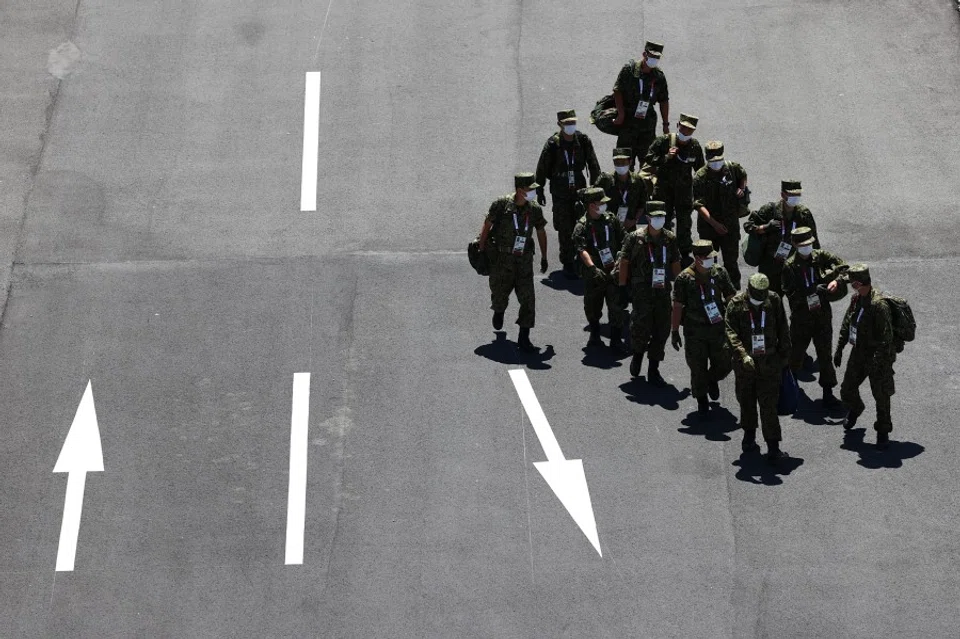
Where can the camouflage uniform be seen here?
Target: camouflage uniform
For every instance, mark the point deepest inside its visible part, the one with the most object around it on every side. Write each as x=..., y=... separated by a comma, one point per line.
x=762, y=385
x=717, y=191
x=650, y=319
x=675, y=179
x=811, y=318
x=598, y=285
x=558, y=159
x=633, y=84
x=872, y=356
x=705, y=343
x=770, y=264
x=627, y=194
x=509, y=272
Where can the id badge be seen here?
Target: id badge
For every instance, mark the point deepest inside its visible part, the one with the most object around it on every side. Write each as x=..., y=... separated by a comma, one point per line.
x=659, y=277
x=783, y=251
x=571, y=179
x=622, y=214
x=813, y=302
x=759, y=344
x=713, y=313
x=519, y=245
x=606, y=256
x=642, y=108
x=853, y=336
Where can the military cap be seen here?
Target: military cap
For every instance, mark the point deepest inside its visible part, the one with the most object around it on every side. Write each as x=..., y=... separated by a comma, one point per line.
x=653, y=49
x=802, y=235
x=758, y=282
x=594, y=194
x=791, y=187
x=714, y=150
x=655, y=208
x=703, y=248
x=525, y=181
x=621, y=153
x=689, y=120
x=566, y=114
x=859, y=273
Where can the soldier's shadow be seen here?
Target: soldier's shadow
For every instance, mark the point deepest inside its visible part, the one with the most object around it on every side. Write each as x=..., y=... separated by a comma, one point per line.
x=755, y=469
x=503, y=351
x=667, y=397
x=812, y=411
x=559, y=282
x=601, y=355
x=721, y=422
x=873, y=458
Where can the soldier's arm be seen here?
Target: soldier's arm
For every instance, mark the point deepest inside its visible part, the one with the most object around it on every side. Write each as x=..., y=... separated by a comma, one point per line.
x=624, y=258
x=542, y=241
x=676, y=316
x=655, y=155
x=816, y=236
x=838, y=267
x=624, y=76
x=729, y=322
x=725, y=285
x=883, y=325
x=698, y=161
x=757, y=221
x=544, y=166
x=664, y=99
x=484, y=232
x=783, y=329
x=700, y=197
x=593, y=166
x=742, y=177
x=789, y=283
x=844, y=334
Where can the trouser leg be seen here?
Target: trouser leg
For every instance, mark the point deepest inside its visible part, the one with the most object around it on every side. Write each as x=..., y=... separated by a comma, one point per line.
x=526, y=294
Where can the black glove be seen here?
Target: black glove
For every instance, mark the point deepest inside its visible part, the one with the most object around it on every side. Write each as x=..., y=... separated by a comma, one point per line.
x=541, y=197
x=624, y=296
x=543, y=264
x=598, y=272
x=838, y=357
x=675, y=340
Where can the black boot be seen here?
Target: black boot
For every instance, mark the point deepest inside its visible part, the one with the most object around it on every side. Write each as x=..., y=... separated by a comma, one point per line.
x=523, y=342
x=635, y=364
x=749, y=443
x=570, y=271
x=883, y=440
x=616, y=342
x=774, y=454
x=653, y=374
x=498, y=320
x=851, y=419
x=830, y=400
x=703, y=408
x=713, y=389
x=594, y=334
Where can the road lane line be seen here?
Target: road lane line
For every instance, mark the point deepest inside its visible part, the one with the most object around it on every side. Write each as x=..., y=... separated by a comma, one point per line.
x=311, y=142
x=297, y=493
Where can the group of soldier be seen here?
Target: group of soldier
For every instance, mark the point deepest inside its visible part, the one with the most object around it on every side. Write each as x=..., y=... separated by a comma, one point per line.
x=628, y=234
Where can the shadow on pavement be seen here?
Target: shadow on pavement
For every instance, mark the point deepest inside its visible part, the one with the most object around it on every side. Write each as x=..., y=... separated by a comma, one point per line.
x=559, y=282
x=813, y=412
x=601, y=356
x=755, y=469
x=640, y=392
x=874, y=458
x=503, y=351
x=721, y=422
x=538, y=361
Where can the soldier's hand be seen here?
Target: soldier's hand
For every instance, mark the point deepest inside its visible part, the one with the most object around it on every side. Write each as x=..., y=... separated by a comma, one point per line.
x=675, y=340
x=666, y=128
x=543, y=264
x=838, y=357
x=718, y=227
x=748, y=364
x=598, y=273
x=541, y=197
x=832, y=286
x=624, y=296
x=672, y=153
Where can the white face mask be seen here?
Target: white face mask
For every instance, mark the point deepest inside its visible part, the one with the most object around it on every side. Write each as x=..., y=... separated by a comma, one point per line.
x=653, y=62
x=715, y=166
x=621, y=170
x=657, y=222
x=708, y=262
x=805, y=250
x=601, y=208
x=793, y=200
x=569, y=129
x=531, y=195
x=756, y=302
x=682, y=137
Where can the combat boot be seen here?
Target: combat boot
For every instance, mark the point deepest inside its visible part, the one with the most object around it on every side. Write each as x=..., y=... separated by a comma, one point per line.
x=851, y=419
x=570, y=271
x=749, y=443
x=616, y=342
x=653, y=374
x=774, y=454
x=883, y=440
x=703, y=408
x=523, y=342
x=498, y=320
x=830, y=400
x=713, y=390
x=594, y=334
x=635, y=364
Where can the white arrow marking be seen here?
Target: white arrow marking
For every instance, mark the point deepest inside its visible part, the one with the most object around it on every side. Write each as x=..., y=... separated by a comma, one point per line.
x=311, y=142
x=297, y=492
x=81, y=454
x=564, y=476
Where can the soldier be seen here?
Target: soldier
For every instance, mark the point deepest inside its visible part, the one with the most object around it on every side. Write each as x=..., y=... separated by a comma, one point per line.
x=760, y=343
x=639, y=86
x=868, y=327
x=674, y=158
x=564, y=157
x=598, y=237
x=509, y=225
x=626, y=189
x=700, y=295
x=717, y=190
x=809, y=277
x=775, y=222
x=649, y=260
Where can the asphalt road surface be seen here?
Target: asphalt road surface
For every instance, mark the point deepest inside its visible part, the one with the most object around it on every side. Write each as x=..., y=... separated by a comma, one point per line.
x=152, y=244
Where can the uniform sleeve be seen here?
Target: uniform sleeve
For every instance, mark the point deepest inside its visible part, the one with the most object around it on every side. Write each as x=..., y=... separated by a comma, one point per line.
x=845, y=324
x=539, y=222
x=680, y=289
x=882, y=324
x=783, y=328
x=730, y=321
x=640, y=195
x=724, y=283
x=579, y=237
x=656, y=153
x=698, y=161
x=545, y=165
x=617, y=231
x=741, y=172
x=593, y=166
x=699, y=190
x=758, y=218
x=626, y=73
x=789, y=282
x=816, y=236
x=495, y=210
x=663, y=89
x=673, y=251
x=629, y=243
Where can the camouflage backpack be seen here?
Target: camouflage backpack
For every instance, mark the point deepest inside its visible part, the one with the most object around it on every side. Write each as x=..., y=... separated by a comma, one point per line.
x=604, y=114
x=901, y=315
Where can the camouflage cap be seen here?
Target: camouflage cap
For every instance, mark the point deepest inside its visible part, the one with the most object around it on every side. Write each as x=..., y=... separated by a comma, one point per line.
x=802, y=235
x=758, y=282
x=703, y=248
x=791, y=187
x=594, y=194
x=859, y=273
x=713, y=150
x=621, y=153
x=566, y=114
x=653, y=49
x=689, y=120
x=525, y=181
x=655, y=208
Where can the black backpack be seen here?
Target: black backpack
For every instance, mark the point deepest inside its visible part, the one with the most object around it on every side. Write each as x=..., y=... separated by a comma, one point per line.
x=478, y=259
x=901, y=315
x=604, y=114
